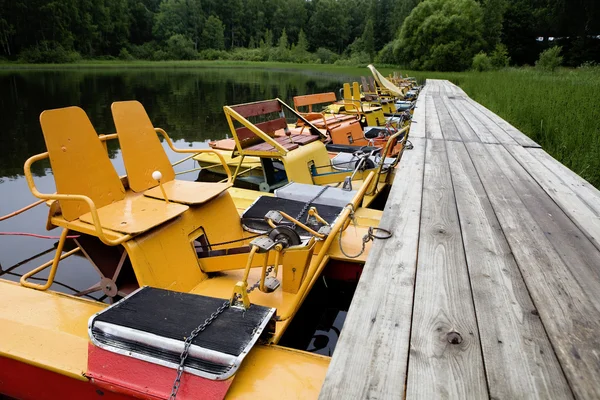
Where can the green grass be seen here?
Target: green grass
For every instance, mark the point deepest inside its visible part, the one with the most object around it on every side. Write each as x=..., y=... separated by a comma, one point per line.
x=558, y=110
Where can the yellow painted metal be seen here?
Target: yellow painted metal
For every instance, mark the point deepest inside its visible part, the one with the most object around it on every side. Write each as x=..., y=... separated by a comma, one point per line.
x=277, y=373
x=58, y=256
x=187, y=192
x=240, y=291
x=296, y=261
x=231, y=113
x=79, y=163
x=135, y=214
x=49, y=330
x=108, y=238
x=142, y=152
x=250, y=165
x=45, y=329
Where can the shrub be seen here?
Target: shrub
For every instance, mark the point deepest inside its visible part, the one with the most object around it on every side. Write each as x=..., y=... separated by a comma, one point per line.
x=242, y=54
x=125, y=55
x=550, y=59
x=160, y=55
x=212, y=54
x=145, y=51
x=499, y=57
x=49, y=52
x=181, y=48
x=360, y=59
x=481, y=62
x=326, y=56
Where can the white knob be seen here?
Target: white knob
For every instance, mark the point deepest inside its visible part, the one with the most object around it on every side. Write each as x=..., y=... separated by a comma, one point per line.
x=156, y=175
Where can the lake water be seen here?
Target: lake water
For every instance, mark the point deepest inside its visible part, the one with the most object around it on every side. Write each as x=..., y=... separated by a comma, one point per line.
x=187, y=103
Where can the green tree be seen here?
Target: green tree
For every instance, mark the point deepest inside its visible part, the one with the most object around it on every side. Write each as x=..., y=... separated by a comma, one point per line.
x=213, y=34
x=179, y=17
x=493, y=15
x=330, y=26
x=441, y=35
x=368, y=39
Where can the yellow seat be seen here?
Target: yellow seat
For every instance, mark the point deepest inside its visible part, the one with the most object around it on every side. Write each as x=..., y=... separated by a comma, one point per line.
x=143, y=154
x=81, y=166
x=135, y=214
x=187, y=192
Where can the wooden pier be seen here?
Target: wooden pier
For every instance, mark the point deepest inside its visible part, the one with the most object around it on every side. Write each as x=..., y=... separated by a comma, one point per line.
x=490, y=286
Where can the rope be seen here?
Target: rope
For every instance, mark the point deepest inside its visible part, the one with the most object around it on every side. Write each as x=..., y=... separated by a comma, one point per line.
x=22, y=210
x=35, y=235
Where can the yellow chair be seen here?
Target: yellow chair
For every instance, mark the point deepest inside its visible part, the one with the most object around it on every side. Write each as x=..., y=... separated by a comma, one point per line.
x=90, y=197
x=143, y=154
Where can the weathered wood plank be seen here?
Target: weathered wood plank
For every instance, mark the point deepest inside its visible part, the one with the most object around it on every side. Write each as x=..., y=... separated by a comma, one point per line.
x=586, y=192
x=449, y=130
x=579, y=212
x=417, y=127
x=433, y=129
x=571, y=244
x=464, y=129
x=516, y=134
x=477, y=119
x=371, y=356
x=445, y=356
x=519, y=359
x=570, y=317
x=474, y=124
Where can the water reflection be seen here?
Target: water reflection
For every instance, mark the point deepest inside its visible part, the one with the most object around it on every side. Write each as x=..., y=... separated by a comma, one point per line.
x=188, y=103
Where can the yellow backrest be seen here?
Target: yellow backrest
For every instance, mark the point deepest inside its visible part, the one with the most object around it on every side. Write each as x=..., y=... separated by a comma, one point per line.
x=356, y=91
x=347, y=92
x=142, y=150
x=79, y=161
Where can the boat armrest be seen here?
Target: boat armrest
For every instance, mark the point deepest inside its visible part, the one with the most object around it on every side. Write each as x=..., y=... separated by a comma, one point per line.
x=55, y=196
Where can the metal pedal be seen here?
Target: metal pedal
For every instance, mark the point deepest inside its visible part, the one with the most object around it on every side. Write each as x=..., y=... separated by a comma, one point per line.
x=263, y=243
x=274, y=216
x=271, y=284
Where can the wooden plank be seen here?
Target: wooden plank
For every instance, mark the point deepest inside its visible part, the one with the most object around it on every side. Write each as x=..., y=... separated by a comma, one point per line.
x=445, y=356
x=312, y=99
x=586, y=192
x=485, y=135
x=579, y=212
x=244, y=134
x=417, y=125
x=518, y=356
x=370, y=359
x=464, y=129
x=432, y=123
x=570, y=242
x=570, y=318
x=447, y=124
x=258, y=108
x=516, y=134
x=477, y=118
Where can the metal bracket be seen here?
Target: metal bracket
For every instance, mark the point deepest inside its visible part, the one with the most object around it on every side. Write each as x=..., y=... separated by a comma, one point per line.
x=240, y=292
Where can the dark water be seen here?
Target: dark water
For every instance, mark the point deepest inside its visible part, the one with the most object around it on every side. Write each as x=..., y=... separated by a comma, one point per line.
x=187, y=103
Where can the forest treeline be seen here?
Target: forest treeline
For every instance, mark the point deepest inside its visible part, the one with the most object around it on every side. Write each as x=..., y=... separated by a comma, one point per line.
x=429, y=34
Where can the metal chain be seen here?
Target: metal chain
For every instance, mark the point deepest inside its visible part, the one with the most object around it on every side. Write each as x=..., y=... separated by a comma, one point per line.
x=196, y=332
x=308, y=203
x=368, y=237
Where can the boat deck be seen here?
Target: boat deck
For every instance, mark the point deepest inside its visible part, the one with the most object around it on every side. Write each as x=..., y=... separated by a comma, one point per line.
x=490, y=286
